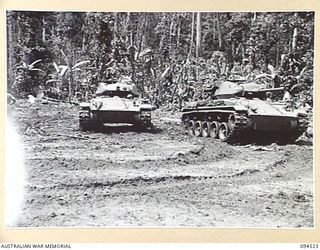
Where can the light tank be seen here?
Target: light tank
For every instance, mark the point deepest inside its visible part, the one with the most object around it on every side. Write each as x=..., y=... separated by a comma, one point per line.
x=117, y=103
x=239, y=112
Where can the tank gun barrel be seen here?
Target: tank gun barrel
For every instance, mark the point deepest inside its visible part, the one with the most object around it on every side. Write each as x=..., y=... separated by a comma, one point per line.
x=271, y=89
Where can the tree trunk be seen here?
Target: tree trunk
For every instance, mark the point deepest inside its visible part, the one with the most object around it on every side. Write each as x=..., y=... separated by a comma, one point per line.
x=43, y=30
x=171, y=32
x=254, y=17
x=53, y=32
x=192, y=35
x=115, y=24
x=70, y=90
x=179, y=33
x=219, y=32
x=198, y=35
x=214, y=27
x=140, y=37
x=238, y=49
x=277, y=57
x=233, y=48
x=83, y=42
x=128, y=34
x=295, y=35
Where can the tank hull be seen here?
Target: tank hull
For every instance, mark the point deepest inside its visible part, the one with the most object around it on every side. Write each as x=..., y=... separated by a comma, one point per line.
x=266, y=123
x=131, y=117
x=116, y=117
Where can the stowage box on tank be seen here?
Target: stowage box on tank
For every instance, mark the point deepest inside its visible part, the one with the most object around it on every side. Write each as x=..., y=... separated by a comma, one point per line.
x=238, y=112
x=115, y=103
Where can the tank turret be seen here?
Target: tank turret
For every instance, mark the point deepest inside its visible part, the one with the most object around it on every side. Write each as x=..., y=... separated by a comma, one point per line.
x=229, y=89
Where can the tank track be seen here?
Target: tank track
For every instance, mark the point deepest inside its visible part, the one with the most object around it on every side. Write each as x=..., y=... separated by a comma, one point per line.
x=241, y=129
x=85, y=120
x=145, y=119
x=302, y=124
x=88, y=121
x=238, y=128
x=293, y=136
x=144, y=122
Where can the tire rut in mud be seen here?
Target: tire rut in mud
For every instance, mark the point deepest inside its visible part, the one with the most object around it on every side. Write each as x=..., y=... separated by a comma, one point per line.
x=156, y=179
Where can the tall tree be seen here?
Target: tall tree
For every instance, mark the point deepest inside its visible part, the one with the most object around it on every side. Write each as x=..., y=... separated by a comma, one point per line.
x=295, y=34
x=219, y=32
x=198, y=35
x=191, y=36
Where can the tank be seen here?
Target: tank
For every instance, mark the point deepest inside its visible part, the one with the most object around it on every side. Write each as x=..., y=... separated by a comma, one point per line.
x=117, y=103
x=239, y=112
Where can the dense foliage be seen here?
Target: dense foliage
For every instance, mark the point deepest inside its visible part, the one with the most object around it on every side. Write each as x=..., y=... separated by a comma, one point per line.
x=65, y=55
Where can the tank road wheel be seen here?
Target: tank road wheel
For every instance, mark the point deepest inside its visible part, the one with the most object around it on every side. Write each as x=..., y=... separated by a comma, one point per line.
x=223, y=131
x=191, y=127
x=206, y=129
x=198, y=128
x=214, y=129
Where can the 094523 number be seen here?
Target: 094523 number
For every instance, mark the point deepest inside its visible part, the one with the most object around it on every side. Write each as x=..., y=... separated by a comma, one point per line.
x=309, y=246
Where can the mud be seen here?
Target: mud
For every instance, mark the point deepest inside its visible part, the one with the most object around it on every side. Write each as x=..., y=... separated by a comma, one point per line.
x=162, y=177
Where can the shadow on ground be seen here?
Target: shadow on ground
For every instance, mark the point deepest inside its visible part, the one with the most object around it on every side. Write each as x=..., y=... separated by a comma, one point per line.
x=124, y=128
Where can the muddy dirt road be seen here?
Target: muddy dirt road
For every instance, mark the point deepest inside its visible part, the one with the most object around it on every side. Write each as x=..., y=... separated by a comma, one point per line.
x=120, y=177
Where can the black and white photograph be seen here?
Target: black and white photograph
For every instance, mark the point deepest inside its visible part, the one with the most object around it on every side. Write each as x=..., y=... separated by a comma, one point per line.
x=159, y=119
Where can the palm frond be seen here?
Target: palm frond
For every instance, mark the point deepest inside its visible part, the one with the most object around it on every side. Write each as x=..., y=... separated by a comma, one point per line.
x=36, y=69
x=64, y=70
x=52, y=80
x=80, y=63
x=35, y=62
x=56, y=66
